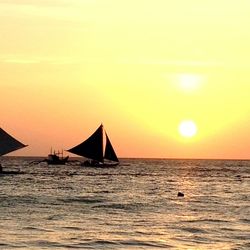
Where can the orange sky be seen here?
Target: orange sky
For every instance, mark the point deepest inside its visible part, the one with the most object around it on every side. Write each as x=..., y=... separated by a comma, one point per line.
x=139, y=67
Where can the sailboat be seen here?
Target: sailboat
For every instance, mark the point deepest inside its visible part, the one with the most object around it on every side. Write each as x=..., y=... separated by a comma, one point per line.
x=93, y=148
x=7, y=145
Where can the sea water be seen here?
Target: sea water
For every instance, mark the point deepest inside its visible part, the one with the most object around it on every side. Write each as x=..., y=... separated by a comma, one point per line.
x=132, y=206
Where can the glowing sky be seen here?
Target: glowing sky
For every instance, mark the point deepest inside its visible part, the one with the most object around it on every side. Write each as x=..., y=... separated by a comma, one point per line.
x=140, y=67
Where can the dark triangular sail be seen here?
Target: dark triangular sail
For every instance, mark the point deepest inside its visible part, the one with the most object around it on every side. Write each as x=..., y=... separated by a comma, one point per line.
x=109, y=153
x=91, y=148
x=8, y=143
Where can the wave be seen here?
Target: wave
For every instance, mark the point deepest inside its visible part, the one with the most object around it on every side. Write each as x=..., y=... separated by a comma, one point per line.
x=194, y=230
x=96, y=244
x=206, y=221
x=83, y=199
x=247, y=221
x=36, y=229
x=132, y=207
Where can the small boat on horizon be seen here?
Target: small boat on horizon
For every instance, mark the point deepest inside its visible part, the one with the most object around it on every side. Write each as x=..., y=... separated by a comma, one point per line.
x=56, y=158
x=8, y=144
x=97, y=149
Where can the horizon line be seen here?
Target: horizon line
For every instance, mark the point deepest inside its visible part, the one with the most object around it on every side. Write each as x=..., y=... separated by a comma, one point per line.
x=147, y=158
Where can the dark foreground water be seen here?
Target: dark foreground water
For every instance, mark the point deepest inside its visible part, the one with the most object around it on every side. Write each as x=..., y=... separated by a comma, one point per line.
x=133, y=206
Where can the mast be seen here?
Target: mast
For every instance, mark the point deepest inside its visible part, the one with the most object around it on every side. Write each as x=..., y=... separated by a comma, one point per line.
x=101, y=126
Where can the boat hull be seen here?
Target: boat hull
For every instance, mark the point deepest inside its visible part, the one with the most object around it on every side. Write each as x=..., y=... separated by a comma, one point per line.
x=55, y=160
x=94, y=164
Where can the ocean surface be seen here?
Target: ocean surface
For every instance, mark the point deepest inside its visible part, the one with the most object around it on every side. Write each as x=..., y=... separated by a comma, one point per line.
x=132, y=206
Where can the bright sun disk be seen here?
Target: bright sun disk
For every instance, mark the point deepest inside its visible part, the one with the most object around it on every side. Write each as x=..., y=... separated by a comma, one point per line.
x=187, y=128
x=189, y=82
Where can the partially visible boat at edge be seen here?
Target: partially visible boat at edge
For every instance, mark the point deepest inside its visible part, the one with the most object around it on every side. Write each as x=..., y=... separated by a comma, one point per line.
x=98, y=154
x=7, y=145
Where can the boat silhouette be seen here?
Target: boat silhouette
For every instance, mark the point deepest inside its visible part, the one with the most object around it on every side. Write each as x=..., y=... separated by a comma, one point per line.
x=97, y=149
x=56, y=158
x=8, y=144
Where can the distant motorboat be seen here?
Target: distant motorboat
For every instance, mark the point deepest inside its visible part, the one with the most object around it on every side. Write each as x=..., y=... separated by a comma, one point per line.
x=7, y=145
x=98, y=154
x=56, y=158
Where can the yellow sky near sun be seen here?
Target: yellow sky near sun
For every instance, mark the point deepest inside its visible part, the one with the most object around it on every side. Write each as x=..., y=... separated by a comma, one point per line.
x=67, y=66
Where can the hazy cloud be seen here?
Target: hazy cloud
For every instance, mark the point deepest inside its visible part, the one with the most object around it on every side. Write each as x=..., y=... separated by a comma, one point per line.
x=12, y=59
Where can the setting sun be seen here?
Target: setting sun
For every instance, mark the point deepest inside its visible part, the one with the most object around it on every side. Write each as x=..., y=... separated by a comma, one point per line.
x=189, y=82
x=187, y=128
